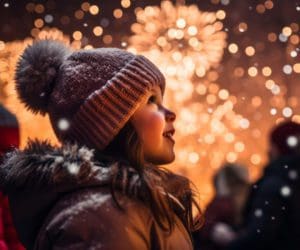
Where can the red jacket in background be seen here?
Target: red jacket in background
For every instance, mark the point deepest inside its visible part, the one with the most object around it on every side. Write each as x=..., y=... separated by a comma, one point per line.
x=8, y=236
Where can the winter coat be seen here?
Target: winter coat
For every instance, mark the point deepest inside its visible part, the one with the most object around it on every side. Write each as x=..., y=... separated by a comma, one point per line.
x=8, y=236
x=221, y=209
x=61, y=199
x=272, y=212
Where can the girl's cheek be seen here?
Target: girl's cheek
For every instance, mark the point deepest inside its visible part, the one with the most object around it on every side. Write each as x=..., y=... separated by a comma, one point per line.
x=156, y=122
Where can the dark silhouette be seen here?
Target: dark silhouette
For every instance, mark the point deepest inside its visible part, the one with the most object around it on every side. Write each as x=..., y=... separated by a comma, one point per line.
x=9, y=139
x=223, y=214
x=272, y=215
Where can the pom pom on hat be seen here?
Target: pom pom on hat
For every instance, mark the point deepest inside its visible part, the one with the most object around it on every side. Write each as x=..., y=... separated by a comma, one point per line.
x=36, y=72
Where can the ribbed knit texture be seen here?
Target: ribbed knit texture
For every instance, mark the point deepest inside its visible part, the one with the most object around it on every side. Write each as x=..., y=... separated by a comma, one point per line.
x=105, y=112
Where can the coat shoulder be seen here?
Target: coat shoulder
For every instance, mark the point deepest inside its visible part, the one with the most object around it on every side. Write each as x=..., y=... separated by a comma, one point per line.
x=91, y=216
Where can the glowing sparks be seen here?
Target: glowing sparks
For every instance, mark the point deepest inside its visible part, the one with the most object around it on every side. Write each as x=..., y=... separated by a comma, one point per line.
x=197, y=35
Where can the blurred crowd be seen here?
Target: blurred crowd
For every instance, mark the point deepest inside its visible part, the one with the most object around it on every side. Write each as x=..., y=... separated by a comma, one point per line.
x=262, y=215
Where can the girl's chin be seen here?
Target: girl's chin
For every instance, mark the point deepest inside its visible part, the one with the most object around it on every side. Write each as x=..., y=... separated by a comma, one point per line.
x=162, y=160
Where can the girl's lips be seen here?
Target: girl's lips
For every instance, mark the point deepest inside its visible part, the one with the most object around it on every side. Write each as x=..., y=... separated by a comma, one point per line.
x=169, y=135
x=171, y=139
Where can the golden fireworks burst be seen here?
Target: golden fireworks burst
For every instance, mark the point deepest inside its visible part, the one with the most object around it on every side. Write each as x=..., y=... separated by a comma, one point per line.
x=193, y=39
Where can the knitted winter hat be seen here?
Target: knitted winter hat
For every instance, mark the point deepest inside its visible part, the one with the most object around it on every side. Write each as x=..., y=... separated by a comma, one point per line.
x=9, y=131
x=88, y=94
x=286, y=137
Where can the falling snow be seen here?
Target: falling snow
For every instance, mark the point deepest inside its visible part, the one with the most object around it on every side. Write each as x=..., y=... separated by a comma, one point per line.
x=63, y=124
x=285, y=191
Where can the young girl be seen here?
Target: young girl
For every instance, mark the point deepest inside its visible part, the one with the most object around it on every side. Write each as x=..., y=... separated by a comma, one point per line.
x=101, y=189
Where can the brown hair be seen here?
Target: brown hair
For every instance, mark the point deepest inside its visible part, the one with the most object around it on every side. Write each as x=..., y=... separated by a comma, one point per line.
x=127, y=146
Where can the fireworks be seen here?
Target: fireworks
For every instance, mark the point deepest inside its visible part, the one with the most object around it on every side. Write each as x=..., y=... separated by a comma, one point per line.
x=187, y=45
x=189, y=39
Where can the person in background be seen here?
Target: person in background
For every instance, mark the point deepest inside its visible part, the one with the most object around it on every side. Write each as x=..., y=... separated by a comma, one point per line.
x=272, y=215
x=224, y=213
x=9, y=139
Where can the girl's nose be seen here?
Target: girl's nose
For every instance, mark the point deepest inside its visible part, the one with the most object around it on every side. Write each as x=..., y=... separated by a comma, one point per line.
x=170, y=116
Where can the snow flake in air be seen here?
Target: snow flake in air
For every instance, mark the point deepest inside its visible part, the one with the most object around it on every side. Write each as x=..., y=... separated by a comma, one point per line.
x=258, y=212
x=292, y=141
x=63, y=124
x=293, y=174
x=73, y=168
x=285, y=191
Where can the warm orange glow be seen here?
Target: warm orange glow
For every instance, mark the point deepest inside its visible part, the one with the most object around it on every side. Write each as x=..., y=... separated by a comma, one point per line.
x=39, y=8
x=256, y=101
x=125, y=3
x=77, y=35
x=269, y=84
x=30, y=7
x=39, y=23
x=213, y=88
x=231, y=157
x=296, y=67
x=239, y=147
x=34, y=32
x=233, y=48
x=161, y=41
x=242, y=27
x=223, y=94
x=293, y=101
x=221, y=14
x=201, y=89
x=255, y=159
x=2, y=45
x=79, y=14
x=266, y=71
x=85, y=6
x=294, y=39
x=294, y=27
x=272, y=37
x=269, y=4
x=88, y=47
x=287, y=31
x=239, y=72
x=94, y=9
x=107, y=39
x=211, y=99
x=213, y=76
x=260, y=8
x=98, y=31
x=250, y=51
x=252, y=71
x=118, y=13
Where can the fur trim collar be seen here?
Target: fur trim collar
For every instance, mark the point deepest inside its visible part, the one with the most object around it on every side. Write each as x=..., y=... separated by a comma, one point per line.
x=42, y=165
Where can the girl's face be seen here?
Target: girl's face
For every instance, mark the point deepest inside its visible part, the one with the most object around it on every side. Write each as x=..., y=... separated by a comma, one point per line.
x=154, y=125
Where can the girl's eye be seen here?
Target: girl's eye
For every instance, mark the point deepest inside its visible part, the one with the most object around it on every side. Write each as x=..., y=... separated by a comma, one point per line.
x=152, y=99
